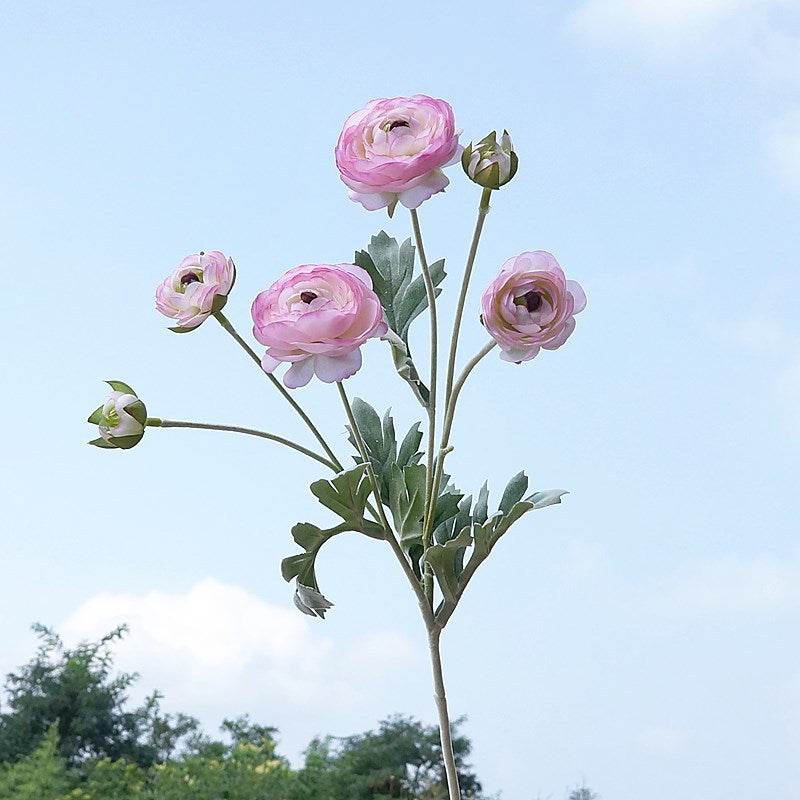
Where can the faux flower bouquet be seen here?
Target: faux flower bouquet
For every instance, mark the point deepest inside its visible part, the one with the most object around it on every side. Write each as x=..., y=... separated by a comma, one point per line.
x=314, y=319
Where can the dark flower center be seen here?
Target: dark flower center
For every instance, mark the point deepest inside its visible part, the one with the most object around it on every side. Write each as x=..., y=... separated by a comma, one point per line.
x=531, y=300
x=398, y=123
x=307, y=297
x=190, y=277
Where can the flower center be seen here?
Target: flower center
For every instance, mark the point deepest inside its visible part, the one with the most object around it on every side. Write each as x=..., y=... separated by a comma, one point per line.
x=531, y=300
x=190, y=277
x=398, y=123
x=308, y=297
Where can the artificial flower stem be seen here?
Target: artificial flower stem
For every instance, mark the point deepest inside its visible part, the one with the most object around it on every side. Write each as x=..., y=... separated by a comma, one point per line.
x=440, y=698
x=450, y=410
x=430, y=506
x=155, y=422
x=427, y=613
x=225, y=322
x=483, y=210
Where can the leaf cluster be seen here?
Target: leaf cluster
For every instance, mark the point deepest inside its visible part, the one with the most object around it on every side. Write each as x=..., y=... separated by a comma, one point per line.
x=403, y=298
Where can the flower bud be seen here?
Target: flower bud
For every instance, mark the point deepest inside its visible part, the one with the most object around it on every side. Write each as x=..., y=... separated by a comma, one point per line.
x=490, y=163
x=121, y=419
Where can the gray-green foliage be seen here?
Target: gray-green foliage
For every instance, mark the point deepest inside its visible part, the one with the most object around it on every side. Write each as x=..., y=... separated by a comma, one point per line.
x=403, y=297
x=465, y=539
x=346, y=495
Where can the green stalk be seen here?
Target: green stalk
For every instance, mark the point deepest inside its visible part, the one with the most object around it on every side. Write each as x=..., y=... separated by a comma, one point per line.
x=430, y=502
x=155, y=422
x=225, y=322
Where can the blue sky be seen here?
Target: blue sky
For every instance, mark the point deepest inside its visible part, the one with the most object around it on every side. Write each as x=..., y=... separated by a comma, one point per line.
x=643, y=635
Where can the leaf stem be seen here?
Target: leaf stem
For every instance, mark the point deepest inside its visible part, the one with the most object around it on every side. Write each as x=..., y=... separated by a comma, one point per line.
x=155, y=422
x=225, y=322
x=427, y=613
x=430, y=505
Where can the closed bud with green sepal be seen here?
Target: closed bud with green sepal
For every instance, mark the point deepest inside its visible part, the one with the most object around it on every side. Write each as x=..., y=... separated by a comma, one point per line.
x=490, y=163
x=121, y=420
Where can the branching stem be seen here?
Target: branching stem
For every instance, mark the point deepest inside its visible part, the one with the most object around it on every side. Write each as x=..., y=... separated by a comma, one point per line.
x=225, y=322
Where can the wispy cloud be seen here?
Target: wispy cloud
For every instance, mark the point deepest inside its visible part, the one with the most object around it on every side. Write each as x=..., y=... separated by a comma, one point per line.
x=735, y=585
x=673, y=27
x=783, y=146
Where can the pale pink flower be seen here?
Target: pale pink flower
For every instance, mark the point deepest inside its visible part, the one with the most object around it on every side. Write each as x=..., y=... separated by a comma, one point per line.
x=316, y=317
x=198, y=288
x=530, y=305
x=393, y=150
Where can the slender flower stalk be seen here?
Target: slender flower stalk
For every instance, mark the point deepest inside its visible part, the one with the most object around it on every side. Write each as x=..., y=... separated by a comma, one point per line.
x=155, y=422
x=430, y=504
x=223, y=320
x=483, y=210
x=440, y=698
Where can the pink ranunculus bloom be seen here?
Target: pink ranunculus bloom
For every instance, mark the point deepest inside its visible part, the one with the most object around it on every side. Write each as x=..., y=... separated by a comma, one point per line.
x=316, y=317
x=530, y=305
x=394, y=150
x=198, y=288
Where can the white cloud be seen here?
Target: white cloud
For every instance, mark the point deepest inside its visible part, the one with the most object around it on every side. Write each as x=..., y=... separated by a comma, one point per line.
x=736, y=585
x=670, y=27
x=783, y=146
x=217, y=647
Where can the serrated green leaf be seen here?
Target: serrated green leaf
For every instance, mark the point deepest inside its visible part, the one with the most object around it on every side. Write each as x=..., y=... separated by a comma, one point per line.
x=369, y=423
x=514, y=492
x=381, y=443
x=407, y=502
x=409, y=449
x=414, y=300
x=346, y=494
x=444, y=560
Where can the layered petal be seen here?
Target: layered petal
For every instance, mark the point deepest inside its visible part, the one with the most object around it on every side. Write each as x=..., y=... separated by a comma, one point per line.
x=531, y=305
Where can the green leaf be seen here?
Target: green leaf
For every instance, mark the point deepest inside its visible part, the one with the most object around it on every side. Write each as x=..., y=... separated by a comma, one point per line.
x=407, y=502
x=96, y=417
x=346, y=494
x=514, y=492
x=403, y=297
x=414, y=300
x=381, y=443
x=179, y=329
x=445, y=560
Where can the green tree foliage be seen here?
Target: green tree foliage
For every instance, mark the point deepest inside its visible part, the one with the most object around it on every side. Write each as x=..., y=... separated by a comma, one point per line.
x=66, y=734
x=43, y=775
x=76, y=690
x=402, y=759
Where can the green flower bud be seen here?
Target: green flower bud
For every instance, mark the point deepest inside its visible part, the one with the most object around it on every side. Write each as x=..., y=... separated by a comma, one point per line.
x=121, y=419
x=490, y=163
